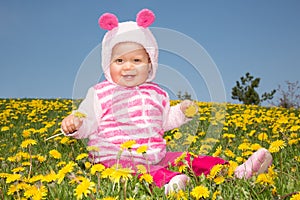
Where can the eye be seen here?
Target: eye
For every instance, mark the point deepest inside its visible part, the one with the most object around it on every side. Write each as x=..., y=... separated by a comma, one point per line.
x=137, y=60
x=119, y=61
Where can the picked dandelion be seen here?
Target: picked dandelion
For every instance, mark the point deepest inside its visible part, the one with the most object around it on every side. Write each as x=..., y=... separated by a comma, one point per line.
x=76, y=114
x=191, y=111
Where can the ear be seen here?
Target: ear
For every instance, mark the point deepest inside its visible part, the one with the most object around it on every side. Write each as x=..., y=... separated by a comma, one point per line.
x=108, y=21
x=145, y=18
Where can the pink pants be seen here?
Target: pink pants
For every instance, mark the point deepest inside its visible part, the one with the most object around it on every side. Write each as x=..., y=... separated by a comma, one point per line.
x=162, y=175
x=200, y=165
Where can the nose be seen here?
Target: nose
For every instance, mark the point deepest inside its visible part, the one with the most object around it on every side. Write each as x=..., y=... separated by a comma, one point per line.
x=128, y=66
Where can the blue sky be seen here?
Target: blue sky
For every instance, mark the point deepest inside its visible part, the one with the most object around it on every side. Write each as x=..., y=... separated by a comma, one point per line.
x=44, y=44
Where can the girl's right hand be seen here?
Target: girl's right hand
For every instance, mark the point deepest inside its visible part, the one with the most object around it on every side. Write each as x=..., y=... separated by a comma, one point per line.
x=71, y=124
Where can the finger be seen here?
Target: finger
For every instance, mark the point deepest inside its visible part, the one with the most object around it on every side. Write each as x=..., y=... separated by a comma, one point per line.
x=70, y=126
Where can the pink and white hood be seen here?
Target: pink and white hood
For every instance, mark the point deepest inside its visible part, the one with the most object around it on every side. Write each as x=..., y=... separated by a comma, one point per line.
x=129, y=31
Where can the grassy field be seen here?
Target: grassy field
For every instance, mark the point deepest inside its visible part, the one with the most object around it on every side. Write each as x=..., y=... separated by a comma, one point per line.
x=32, y=168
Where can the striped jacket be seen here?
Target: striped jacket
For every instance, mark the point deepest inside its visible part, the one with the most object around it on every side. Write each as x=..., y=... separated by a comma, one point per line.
x=117, y=114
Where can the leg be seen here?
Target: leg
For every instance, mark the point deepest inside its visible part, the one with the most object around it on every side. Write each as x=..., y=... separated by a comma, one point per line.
x=257, y=163
x=203, y=164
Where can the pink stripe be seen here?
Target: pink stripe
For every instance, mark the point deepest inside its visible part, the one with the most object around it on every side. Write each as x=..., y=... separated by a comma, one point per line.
x=102, y=85
x=154, y=87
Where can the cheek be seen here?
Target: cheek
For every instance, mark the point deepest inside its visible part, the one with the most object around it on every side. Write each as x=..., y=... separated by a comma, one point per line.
x=114, y=73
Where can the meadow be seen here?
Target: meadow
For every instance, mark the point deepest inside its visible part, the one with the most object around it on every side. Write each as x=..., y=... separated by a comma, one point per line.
x=58, y=168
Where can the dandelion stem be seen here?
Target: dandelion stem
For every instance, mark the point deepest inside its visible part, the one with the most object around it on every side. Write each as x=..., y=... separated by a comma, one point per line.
x=53, y=136
x=30, y=166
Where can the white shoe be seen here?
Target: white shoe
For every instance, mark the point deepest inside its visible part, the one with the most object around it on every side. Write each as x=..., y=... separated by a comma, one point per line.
x=177, y=183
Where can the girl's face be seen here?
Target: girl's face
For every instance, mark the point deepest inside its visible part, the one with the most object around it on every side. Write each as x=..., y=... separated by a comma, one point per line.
x=130, y=64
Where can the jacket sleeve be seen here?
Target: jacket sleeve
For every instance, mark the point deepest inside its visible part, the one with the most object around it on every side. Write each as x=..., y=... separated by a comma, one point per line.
x=91, y=107
x=173, y=116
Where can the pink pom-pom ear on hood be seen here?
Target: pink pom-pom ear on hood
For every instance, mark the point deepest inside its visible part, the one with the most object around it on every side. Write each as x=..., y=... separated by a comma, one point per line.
x=145, y=18
x=108, y=21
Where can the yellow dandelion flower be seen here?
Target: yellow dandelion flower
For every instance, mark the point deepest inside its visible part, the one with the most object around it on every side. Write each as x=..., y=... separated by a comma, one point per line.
x=13, y=177
x=276, y=146
x=293, y=141
x=141, y=169
x=193, y=155
x=55, y=154
x=274, y=191
x=251, y=133
x=61, y=163
x=232, y=166
x=216, y=194
x=64, y=140
x=244, y=146
x=121, y=173
x=97, y=168
x=92, y=148
x=200, y=192
x=182, y=168
x=142, y=149
x=36, y=192
x=25, y=163
x=107, y=172
x=271, y=172
x=49, y=177
x=79, y=114
x=178, y=195
x=128, y=144
x=262, y=136
x=264, y=179
x=66, y=169
x=296, y=196
x=41, y=158
x=26, y=134
x=218, y=180
x=228, y=135
x=255, y=147
x=12, y=189
x=294, y=135
x=229, y=153
x=180, y=158
x=295, y=128
x=84, y=188
x=147, y=178
x=82, y=156
x=87, y=165
x=190, y=139
x=36, y=178
x=191, y=111
x=110, y=198
x=27, y=142
x=247, y=153
x=202, y=133
x=215, y=170
x=18, y=169
x=4, y=128
x=177, y=135
x=239, y=159
x=218, y=151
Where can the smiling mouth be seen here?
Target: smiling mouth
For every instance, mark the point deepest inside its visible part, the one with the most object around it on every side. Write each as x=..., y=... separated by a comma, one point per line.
x=128, y=77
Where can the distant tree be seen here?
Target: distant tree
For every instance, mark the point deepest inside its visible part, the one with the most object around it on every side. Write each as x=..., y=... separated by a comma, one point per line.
x=245, y=91
x=185, y=96
x=289, y=96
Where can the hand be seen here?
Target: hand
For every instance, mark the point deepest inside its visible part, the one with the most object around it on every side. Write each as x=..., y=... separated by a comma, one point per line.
x=190, y=106
x=71, y=124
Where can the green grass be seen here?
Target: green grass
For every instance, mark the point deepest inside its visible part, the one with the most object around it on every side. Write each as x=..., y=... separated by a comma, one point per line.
x=216, y=130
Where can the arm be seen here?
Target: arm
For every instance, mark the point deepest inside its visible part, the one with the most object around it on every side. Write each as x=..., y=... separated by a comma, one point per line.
x=174, y=116
x=82, y=128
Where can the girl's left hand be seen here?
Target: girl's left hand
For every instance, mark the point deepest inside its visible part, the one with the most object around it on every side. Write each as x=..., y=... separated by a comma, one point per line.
x=185, y=104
